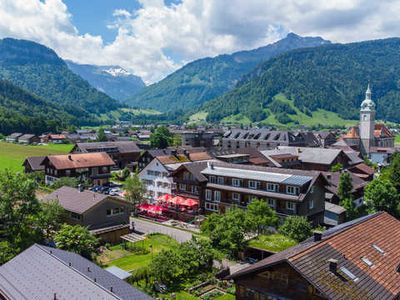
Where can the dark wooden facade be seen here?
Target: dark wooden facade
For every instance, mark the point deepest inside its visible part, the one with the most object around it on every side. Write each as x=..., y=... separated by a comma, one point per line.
x=97, y=175
x=280, y=281
x=308, y=201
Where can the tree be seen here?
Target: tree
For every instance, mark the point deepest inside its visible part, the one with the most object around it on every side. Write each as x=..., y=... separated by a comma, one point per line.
x=380, y=194
x=296, y=227
x=259, y=216
x=393, y=171
x=19, y=211
x=345, y=186
x=337, y=167
x=50, y=218
x=65, y=181
x=134, y=189
x=101, y=136
x=196, y=256
x=161, y=138
x=227, y=232
x=77, y=239
x=166, y=266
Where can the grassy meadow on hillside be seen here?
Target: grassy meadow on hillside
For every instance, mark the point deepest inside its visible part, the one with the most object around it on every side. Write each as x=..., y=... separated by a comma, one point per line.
x=13, y=155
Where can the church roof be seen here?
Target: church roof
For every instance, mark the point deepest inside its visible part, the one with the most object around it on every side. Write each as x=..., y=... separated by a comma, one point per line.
x=353, y=133
x=382, y=131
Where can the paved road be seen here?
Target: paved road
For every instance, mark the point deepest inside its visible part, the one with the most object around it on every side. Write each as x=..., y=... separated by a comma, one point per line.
x=150, y=227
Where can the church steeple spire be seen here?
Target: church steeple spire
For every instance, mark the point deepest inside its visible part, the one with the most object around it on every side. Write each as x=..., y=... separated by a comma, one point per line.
x=368, y=93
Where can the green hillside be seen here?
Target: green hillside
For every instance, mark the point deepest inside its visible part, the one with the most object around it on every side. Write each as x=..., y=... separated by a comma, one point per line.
x=38, y=70
x=21, y=111
x=205, y=79
x=292, y=116
x=331, y=78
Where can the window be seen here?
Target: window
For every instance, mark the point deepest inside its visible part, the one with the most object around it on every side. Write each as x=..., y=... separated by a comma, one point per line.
x=213, y=179
x=195, y=190
x=211, y=206
x=272, y=203
x=67, y=172
x=236, y=197
x=236, y=182
x=312, y=189
x=311, y=204
x=186, y=176
x=367, y=261
x=290, y=206
x=182, y=187
x=221, y=180
x=272, y=187
x=217, y=196
x=75, y=216
x=105, y=169
x=377, y=248
x=115, y=211
x=208, y=195
x=253, y=184
x=292, y=190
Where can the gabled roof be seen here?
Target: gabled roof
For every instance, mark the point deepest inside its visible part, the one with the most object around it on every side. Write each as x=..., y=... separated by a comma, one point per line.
x=81, y=160
x=382, y=131
x=195, y=169
x=26, y=136
x=372, y=239
x=121, y=147
x=46, y=273
x=35, y=162
x=71, y=199
x=323, y=156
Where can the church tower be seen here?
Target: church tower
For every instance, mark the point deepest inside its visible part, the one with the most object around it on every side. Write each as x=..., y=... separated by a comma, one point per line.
x=367, y=123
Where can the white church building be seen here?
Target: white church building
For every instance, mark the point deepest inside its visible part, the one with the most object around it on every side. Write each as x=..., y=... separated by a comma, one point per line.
x=369, y=136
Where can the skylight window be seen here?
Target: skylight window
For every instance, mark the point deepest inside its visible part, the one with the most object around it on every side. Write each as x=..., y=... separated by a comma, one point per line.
x=367, y=261
x=349, y=274
x=378, y=249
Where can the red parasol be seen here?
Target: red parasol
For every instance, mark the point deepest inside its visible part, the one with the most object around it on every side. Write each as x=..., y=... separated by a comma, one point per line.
x=165, y=197
x=190, y=202
x=156, y=209
x=178, y=200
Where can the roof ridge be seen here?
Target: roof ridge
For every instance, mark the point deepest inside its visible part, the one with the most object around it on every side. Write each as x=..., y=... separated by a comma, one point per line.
x=41, y=247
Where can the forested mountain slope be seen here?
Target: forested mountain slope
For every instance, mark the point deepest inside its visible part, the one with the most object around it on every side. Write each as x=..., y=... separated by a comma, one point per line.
x=207, y=78
x=331, y=77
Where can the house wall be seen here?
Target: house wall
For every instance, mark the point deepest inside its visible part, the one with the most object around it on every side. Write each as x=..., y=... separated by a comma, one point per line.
x=156, y=179
x=98, y=218
x=277, y=282
x=227, y=200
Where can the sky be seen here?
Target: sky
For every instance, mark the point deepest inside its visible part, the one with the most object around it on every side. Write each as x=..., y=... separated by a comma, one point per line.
x=152, y=38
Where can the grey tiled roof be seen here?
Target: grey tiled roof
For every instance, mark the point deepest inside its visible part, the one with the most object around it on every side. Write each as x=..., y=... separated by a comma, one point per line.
x=35, y=162
x=41, y=272
x=71, y=199
x=120, y=146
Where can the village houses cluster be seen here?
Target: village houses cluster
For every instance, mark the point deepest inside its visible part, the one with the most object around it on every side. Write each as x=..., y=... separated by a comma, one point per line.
x=296, y=173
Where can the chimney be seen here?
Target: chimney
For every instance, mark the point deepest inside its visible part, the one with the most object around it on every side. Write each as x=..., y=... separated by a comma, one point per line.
x=80, y=188
x=317, y=236
x=55, y=296
x=186, y=153
x=333, y=265
x=69, y=157
x=88, y=269
x=111, y=289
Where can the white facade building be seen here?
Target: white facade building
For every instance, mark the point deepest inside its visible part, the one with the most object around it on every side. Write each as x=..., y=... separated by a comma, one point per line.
x=156, y=178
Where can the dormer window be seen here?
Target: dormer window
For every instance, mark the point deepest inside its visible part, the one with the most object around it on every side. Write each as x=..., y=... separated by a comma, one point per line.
x=292, y=190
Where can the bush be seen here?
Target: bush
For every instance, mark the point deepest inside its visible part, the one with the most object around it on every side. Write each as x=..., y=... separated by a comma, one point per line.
x=297, y=228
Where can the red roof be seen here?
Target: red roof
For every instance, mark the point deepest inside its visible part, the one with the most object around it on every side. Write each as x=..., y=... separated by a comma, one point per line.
x=82, y=160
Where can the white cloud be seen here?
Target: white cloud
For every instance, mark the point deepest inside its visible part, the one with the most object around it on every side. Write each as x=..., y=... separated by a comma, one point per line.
x=157, y=39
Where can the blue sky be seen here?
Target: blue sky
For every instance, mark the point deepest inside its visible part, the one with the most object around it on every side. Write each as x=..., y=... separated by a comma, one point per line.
x=152, y=38
x=93, y=16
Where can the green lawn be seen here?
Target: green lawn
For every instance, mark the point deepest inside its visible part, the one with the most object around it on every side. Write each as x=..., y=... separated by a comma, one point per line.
x=129, y=261
x=198, y=117
x=397, y=139
x=13, y=155
x=272, y=242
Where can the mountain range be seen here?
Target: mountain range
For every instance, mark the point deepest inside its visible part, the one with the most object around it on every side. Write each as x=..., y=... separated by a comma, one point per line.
x=332, y=77
x=207, y=78
x=114, y=81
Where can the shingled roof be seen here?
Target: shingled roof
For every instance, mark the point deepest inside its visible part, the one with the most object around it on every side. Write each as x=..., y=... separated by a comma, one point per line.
x=368, y=254
x=35, y=162
x=81, y=160
x=121, y=147
x=46, y=273
x=71, y=199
